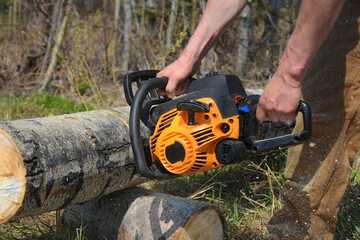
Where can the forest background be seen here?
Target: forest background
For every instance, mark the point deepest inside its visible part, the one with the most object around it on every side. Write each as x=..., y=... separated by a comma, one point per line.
x=65, y=56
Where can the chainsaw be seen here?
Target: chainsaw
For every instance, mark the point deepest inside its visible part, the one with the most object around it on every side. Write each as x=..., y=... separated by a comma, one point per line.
x=212, y=125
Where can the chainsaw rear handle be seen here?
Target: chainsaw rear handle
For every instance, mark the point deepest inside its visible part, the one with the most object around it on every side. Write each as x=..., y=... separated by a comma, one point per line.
x=134, y=124
x=266, y=145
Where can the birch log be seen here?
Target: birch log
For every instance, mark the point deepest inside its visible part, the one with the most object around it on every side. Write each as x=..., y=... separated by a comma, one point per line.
x=137, y=213
x=12, y=177
x=69, y=159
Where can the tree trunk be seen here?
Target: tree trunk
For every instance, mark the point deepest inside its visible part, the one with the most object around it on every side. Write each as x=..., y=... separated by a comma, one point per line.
x=142, y=54
x=141, y=214
x=54, y=56
x=106, y=41
x=15, y=14
x=194, y=15
x=244, y=40
x=56, y=16
x=172, y=21
x=116, y=59
x=142, y=19
x=69, y=159
x=127, y=31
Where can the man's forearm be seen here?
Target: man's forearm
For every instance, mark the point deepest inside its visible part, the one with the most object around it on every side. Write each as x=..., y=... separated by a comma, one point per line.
x=281, y=96
x=217, y=16
x=315, y=21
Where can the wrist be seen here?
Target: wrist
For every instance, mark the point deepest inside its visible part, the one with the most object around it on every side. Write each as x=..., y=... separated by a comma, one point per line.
x=293, y=65
x=187, y=62
x=193, y=53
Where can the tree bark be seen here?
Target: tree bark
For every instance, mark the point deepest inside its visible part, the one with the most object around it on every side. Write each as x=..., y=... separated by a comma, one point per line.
x=69, y=159
x=137, y=213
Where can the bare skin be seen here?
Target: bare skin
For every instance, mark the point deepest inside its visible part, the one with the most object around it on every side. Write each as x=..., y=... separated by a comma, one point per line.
x=212, y=25
x=282, y=95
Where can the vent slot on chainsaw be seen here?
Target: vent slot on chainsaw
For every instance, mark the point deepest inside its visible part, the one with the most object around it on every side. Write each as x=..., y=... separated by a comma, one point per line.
x=164, y=122
x=203, y=136
x=200, y=161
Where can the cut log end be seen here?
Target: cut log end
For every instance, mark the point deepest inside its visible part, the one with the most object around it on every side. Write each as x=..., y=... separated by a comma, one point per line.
x=204, y=225
x=12, y=177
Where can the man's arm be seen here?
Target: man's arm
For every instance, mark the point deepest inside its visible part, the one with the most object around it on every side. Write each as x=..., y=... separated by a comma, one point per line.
x=282, y=95
x=217, y=16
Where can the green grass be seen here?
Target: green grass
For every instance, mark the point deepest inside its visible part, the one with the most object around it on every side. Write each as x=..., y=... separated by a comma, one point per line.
x=37, y=230
x=38, y=105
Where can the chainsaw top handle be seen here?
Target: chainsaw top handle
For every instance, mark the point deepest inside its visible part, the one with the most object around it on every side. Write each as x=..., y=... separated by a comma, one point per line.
x=134, y=123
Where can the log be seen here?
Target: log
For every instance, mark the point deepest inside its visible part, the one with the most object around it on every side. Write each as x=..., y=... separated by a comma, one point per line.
x=12, y=177
x=137, y=213
x=69, y=159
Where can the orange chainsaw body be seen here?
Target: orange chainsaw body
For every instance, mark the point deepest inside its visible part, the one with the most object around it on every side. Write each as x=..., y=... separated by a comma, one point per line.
x=187, y=149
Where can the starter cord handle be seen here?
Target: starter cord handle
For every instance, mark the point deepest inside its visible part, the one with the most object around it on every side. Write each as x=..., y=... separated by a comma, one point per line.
x=134, y=123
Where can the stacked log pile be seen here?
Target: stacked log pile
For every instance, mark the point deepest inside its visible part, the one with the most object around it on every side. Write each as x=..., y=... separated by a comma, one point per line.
x=52, y=163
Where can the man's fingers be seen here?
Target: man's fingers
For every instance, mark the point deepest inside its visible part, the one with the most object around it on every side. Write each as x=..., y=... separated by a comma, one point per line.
x=261, y=114
x=171, y=88
x=273, y=116
x=182, y=87
x=161, y=92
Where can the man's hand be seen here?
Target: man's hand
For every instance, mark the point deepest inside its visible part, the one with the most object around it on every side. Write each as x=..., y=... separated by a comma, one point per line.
x=217, y=16
x=178, y=73
x=280, y=99
x=282, y=95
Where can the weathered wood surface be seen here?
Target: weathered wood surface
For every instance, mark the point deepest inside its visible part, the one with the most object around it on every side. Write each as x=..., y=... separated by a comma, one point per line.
x=137, y=213
x=12, y=177
x=69, y=159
